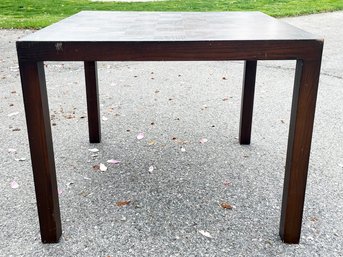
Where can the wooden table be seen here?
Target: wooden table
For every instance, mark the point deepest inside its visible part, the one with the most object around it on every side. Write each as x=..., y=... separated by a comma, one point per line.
x=169, y=36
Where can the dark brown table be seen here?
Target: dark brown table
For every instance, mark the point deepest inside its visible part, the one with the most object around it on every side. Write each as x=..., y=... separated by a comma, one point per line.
x=169, y=36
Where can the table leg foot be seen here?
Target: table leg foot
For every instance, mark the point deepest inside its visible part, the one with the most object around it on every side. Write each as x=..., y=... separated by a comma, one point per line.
x=247, y=102
x=41, y=147
x=93, y=108
x=298, y=151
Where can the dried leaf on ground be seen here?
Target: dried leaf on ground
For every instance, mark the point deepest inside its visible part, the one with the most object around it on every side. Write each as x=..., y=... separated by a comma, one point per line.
x=69, y=116
x=20, y=159
x=102, y=167
x=205, y=233
x=151, y=168
x=13, y=114
x=226, y=205
x=314, y=219
x=180, y=141
x=226, y=183
x=113, y=161
x=140, y=136
x=123, y=203
x=14, y=184
x=96, y=167
x=203, y=140
x=204, y=107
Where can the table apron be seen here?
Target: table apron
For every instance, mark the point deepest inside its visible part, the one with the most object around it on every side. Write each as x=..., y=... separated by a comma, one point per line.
x=170, y=51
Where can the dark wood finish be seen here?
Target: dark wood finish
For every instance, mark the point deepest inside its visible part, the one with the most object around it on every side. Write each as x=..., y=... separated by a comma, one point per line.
x=299, y=145
x=247, y=105
x=171, y=50
x=42, y=155
x=109, y=26
x=93, y=108
x=168, y=36
x=163, y=36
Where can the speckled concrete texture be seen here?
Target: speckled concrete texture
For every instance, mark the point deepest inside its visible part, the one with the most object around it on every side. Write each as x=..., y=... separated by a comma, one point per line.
x=175, y=105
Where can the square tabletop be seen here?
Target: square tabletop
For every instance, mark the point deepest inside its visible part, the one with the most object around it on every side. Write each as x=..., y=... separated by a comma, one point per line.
x=168, y=36
x=110, y=26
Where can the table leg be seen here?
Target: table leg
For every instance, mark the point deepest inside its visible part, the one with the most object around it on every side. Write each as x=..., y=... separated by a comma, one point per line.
x=298, y=152
x=247, y=102
x=42, y=155
x=93, y=108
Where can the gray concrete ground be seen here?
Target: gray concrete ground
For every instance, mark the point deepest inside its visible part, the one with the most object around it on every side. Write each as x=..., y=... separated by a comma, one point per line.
x=183, y=193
